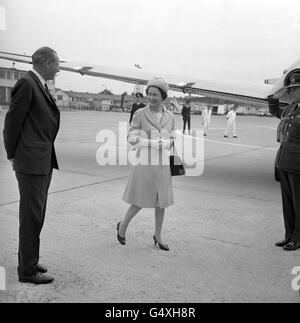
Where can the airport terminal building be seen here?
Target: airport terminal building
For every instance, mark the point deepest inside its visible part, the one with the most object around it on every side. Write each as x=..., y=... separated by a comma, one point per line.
x=8, y=78
x=107, y=101
x=66, y=99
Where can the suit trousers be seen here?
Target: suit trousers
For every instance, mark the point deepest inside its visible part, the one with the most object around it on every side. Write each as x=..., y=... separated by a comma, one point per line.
x=290, y=190
x=188, y=121
x=33, y=191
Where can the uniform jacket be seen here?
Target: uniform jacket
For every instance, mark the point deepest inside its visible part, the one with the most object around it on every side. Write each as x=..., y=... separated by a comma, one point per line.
x=31, y=126
x=134, y=108
x=288, y=134
x=186, y=112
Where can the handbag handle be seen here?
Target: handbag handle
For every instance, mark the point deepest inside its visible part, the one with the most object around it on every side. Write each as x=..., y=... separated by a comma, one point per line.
x=174, y=149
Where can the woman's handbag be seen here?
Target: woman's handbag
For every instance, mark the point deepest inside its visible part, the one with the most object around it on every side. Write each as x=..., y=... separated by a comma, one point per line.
x=176, y=164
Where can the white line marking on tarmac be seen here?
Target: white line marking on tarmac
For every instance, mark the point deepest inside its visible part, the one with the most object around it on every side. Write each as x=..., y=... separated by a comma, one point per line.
x=234, y=144
x=264, y=127
x=249, y=128
x=242, y=145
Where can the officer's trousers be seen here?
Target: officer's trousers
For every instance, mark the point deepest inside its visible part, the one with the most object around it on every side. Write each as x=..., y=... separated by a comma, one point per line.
x=206, y=124
x=188, y=122
x=230, y=125
x=290, y=190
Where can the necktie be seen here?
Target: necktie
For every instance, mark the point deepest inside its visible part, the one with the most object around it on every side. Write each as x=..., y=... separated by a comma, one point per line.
x=48, y=92
x=46, y=87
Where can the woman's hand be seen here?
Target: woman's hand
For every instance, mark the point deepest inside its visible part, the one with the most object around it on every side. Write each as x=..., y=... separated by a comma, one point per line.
x=159, y=143
x=164, y=144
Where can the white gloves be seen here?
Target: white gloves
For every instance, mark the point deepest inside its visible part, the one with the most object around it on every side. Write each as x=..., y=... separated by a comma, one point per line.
x=153, y=143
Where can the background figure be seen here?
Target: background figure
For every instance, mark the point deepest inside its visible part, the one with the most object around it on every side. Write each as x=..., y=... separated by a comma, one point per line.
x=30, y=128
x=206, y=119
x=186, y=115
x=231, y=116
x=287, y=164
x=137, y=105
x=150, y=184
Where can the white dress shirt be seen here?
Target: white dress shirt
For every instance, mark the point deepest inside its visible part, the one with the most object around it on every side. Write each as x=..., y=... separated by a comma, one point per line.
x=39, y=77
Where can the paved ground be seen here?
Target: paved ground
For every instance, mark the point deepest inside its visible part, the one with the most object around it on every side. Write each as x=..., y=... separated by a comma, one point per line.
x=221, y=230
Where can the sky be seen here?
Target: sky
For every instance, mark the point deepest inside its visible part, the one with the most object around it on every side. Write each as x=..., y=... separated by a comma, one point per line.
x=246, y=40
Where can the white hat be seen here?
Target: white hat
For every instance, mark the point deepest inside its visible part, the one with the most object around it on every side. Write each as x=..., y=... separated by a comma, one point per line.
x=159, y=83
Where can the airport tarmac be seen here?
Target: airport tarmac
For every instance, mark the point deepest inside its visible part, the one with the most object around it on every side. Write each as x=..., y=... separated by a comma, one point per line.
x=221, y=230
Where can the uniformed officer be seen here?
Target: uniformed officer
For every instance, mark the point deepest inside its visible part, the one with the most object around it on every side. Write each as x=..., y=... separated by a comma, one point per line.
x=186, y=115
x=287, y=164
x=137, y=105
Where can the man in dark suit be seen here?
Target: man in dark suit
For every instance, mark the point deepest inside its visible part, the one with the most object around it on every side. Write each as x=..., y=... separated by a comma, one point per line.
x=287, y=165
x=137, y=105
x=186, y=115
x=30, y=128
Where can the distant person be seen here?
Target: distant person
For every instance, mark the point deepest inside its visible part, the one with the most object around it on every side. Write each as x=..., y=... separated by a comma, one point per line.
x=287, y=164
x=137, y=105
x=186, y=115
x=231, y=117
x=30, y=128
x=206, y=119
x=150, y=186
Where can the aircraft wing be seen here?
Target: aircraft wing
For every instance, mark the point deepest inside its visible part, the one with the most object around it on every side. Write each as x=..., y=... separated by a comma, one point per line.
x=243, y=92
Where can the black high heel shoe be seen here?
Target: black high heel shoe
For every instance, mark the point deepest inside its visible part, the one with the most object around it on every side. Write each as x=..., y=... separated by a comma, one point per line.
x=122, y=240
x=161, y=246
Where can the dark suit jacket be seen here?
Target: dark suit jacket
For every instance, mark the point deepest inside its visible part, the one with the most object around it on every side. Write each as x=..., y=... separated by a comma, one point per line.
x=186, y=112
x=30, y=128
x=134, y=108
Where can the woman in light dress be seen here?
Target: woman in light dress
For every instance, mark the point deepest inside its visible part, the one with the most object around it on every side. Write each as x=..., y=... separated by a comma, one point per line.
x=150, y=183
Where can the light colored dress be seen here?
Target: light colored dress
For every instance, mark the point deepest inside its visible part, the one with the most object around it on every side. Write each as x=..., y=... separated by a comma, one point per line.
x=149, y=185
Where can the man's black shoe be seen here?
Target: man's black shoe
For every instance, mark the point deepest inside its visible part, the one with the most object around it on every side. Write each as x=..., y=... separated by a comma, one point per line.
x=41, y=269
x=282, y=242
x=292, y=245
x=37, y=279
